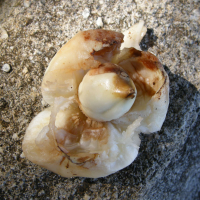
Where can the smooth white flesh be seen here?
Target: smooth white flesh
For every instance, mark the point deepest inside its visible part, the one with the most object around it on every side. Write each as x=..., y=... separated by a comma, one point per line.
x=101, y=100
x=63, y=140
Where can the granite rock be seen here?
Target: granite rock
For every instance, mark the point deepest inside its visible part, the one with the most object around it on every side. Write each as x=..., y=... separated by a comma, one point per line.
x=168, y=164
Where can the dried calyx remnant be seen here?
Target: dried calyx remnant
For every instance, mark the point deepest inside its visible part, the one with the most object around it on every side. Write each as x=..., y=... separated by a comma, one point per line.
x=103, y=91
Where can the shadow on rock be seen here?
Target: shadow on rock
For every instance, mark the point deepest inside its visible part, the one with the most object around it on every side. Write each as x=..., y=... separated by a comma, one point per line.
x=168, y=163
x=161, y=154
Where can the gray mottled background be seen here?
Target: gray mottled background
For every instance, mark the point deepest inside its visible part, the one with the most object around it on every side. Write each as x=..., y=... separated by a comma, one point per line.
x=31, y=32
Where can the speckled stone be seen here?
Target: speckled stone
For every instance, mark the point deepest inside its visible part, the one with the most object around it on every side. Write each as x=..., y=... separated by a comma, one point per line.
x=6, y=68
x=168, y=164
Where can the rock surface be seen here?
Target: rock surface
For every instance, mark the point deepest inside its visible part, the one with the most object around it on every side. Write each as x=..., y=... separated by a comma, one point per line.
x=168, y=164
